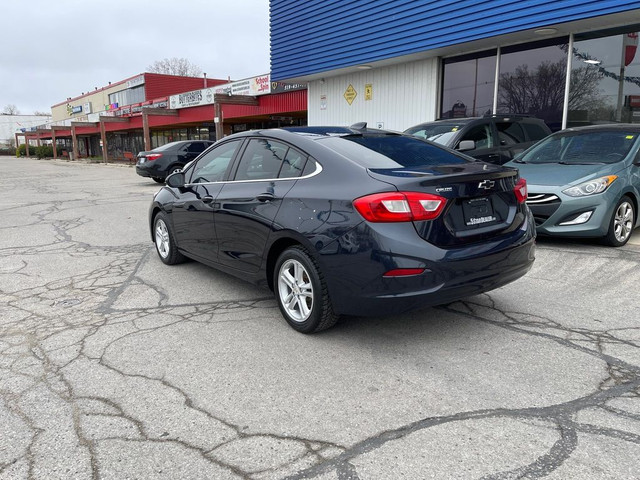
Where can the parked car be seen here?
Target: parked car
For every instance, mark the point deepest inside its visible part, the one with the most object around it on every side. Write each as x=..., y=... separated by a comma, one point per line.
x=585, y=182
x=169, y=158
x=339, y=221
x=493, y=138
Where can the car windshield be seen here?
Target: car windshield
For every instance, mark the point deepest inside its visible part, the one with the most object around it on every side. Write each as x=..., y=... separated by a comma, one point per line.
x=392, y=151
x=580, y=148
x=442, y=138
x=433, y=129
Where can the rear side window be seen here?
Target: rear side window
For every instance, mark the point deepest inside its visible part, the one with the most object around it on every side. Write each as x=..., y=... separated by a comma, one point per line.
x=534, y=131
x=510, y=133
x=197, y=147
x=392, y=151
x=294, y=162
x=261, y=160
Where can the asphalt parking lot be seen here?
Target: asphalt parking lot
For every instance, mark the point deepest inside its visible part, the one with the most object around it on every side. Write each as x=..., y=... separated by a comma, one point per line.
x=113, y=365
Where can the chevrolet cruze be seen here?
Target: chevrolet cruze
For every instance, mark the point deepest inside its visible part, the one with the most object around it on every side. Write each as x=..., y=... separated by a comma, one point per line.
x=346, y=221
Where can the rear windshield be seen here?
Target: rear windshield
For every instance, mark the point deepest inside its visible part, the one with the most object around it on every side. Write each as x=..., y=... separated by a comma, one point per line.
x=166, y=146
x=587, y=147
x=392, y=151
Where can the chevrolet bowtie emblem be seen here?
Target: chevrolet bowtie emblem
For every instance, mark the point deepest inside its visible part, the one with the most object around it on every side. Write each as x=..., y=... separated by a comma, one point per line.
x=486, y=184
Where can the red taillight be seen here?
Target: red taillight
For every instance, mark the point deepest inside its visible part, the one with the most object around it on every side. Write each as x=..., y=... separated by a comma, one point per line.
x=403, y=272
x=153, y=156
x=400, y=206
x=521, y=190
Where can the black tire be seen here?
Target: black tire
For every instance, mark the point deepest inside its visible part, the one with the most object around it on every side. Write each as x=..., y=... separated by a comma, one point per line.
x=621, y=224
x=165, y=241
x=297, y=277
x=158, y=180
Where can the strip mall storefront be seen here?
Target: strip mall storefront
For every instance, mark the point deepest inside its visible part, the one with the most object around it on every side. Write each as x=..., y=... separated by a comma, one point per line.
x=123, y=129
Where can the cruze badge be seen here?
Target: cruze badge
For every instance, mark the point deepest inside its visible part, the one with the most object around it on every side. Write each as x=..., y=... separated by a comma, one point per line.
x=486, y=184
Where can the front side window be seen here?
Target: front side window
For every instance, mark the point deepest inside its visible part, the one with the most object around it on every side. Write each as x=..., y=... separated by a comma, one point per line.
x=214, y=164
x=481, y=135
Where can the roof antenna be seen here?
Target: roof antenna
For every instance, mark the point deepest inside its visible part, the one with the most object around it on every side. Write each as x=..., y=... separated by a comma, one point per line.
x=359, y=126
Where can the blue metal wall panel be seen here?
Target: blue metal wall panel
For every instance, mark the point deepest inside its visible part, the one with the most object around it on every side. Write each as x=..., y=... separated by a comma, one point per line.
x=312, y=36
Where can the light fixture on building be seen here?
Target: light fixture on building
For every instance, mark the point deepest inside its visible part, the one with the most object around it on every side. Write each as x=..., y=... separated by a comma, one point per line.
x=364, y=67
x=546, y=31
x=592, y=62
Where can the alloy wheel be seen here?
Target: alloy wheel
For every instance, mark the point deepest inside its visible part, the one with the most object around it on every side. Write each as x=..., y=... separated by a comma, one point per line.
x=162, y=239
x=623, y=221
x=295, y=290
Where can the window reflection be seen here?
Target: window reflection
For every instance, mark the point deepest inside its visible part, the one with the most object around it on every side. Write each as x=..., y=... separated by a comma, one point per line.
x=532, y=82
x=468, y=87
x=605, y=77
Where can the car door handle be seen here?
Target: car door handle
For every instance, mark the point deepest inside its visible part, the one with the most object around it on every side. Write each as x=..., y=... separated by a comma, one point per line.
x=207, y=199
x=266, y=197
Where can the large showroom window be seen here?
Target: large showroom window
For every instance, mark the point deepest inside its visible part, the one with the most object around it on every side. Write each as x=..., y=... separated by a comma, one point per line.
x=532, y=80
x=468, y=85
x=605, y=79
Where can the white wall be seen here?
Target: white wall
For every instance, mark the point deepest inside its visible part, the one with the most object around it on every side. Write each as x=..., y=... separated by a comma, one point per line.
x=9, y=124
x=403, y=95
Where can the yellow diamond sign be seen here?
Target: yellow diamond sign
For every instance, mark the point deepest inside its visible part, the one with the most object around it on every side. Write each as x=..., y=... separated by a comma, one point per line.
x=350, y=94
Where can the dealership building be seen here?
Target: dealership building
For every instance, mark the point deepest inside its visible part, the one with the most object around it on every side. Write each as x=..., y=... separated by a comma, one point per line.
x=145, y=111
x=399, y=63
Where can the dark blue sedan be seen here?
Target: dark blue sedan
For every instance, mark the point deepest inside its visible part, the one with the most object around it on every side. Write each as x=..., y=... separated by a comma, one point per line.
x=347, y=221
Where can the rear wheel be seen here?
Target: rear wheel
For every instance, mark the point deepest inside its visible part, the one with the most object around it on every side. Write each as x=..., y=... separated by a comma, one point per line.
x=165, y=241
x=301, y=292
x=159, y=180
x=174, y=170
x=621, y=223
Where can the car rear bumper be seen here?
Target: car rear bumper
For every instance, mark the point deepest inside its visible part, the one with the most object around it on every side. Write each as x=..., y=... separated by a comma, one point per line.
x=357, y=285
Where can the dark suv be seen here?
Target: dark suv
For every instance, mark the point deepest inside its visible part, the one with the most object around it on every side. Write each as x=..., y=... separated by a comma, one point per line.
x=494, y=138
x=171, y=157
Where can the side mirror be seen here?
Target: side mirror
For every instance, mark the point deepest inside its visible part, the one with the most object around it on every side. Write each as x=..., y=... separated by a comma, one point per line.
x=175, y=180
x=466, y=145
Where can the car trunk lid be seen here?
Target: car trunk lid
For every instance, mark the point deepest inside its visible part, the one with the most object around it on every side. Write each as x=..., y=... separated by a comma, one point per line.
x=480, y=200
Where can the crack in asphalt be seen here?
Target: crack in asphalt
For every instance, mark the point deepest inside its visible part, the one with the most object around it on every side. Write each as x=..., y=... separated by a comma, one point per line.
x=62, y=356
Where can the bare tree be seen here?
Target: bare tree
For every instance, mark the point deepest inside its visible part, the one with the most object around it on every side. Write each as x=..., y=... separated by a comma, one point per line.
x=38, y=112
x=175, y=66
x=10, y=109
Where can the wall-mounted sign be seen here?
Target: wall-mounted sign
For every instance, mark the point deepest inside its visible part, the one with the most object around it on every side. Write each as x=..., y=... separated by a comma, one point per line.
x=634, y=101
x=134, y=82
x=86, y=107
x=323, y=102
x=76, y=109
x=191, y=99
x=260, y=85
x=111, y=106
x=279, y=87
x=350, y=94
x=368, y=92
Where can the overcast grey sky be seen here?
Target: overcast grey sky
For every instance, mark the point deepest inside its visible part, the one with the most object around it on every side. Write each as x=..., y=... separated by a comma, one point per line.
x=51, y=50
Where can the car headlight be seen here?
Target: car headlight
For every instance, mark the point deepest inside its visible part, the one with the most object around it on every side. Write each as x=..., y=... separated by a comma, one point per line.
x=597, y=185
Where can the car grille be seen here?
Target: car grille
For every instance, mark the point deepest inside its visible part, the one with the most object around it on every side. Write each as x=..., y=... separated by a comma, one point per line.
x=543, y=205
